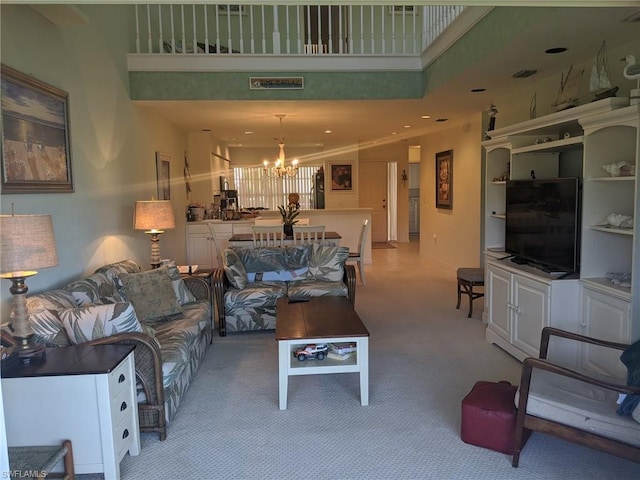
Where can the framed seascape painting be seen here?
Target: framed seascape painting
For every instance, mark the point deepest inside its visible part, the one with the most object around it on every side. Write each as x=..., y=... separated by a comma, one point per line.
x=36, y=157
x=444, y=179
x=163, y=172
x=342, y=178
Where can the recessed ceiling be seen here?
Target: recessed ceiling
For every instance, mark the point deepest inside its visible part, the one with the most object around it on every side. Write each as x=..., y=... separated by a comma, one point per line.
x=580, y=30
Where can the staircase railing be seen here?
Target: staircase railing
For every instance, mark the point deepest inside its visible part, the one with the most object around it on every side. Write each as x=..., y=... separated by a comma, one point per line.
x=281, y=29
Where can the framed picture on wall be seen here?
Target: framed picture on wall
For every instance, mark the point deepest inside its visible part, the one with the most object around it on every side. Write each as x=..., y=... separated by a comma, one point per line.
x=342, y=177
x=444, y=179
x=163, y=172
x=36, y=157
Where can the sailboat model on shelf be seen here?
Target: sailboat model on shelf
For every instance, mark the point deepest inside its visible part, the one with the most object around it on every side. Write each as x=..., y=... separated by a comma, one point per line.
x=599, y=84
x=568, y=94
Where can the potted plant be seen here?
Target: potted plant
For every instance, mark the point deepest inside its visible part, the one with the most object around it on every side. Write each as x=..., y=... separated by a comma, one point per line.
x=289, y=215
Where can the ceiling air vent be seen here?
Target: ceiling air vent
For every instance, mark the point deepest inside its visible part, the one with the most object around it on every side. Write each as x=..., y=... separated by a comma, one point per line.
x=524, y=73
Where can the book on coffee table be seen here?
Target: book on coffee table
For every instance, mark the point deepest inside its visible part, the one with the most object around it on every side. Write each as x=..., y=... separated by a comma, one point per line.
x=345, y=347
x=339, y=356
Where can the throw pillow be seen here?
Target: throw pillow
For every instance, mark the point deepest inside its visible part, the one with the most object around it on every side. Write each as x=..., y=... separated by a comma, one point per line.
x=97, y=288
x=151, y=293
x=183, y=294
x=326, y=262
x=91, y=322
x=234, y=269
x=631, y=358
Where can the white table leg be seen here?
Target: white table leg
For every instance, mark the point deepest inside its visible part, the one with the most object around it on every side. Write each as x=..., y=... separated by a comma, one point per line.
x=363, y=359
x=283, y=372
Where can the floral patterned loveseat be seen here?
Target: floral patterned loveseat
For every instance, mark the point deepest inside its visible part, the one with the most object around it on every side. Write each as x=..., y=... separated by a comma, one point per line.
x=167, y=318
x=252, y=279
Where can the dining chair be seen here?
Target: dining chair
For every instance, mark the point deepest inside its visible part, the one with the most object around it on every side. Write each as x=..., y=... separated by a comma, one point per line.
x=268, y=235
x=358, y=256
x=307, y=234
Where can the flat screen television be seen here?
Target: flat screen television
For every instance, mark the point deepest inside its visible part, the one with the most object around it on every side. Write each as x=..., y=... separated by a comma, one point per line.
x=543, y=223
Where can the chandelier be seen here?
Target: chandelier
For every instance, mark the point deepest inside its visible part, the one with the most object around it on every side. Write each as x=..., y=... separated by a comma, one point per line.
x=278, y=169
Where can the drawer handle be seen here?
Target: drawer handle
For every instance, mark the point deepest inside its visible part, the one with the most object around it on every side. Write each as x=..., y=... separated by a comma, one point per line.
x=121, y=378
x=125, y=434
x=123, y=406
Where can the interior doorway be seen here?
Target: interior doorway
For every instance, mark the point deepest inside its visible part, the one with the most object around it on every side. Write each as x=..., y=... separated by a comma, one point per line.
x=380, y=196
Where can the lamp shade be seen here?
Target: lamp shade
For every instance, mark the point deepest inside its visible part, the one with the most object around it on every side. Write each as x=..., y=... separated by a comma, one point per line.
x=26, y=243
x=153, y=215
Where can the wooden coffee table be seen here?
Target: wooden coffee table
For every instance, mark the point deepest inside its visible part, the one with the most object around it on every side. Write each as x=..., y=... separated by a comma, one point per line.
x=320, y=320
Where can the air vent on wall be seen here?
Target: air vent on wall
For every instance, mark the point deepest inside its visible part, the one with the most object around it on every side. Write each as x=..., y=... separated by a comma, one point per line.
x=524, y=73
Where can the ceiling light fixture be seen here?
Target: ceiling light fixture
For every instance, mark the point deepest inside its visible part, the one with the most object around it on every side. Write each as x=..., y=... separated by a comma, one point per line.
x=278, y=169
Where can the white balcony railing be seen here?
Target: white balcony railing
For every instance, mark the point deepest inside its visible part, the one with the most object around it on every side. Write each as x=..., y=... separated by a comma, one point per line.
x=280, y=29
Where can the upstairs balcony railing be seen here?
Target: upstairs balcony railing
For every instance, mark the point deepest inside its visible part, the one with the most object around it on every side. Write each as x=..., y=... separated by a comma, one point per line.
x=281, y=29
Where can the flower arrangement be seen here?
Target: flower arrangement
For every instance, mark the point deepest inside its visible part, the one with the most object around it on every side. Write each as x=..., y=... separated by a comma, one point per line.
x=289, y=214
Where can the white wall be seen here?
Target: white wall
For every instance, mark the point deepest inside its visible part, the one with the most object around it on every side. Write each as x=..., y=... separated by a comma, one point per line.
x=457, y=231
x=113, y=143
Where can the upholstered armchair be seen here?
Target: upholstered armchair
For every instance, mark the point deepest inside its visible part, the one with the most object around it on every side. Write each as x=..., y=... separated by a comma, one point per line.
x=577, y=405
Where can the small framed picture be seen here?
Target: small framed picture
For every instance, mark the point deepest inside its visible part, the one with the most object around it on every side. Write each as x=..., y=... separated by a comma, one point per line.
x=444, y=179
x=163, y=172
x=342, y=177
x=36, y=157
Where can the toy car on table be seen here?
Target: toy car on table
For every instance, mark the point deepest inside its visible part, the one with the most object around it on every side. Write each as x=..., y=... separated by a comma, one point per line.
x=317, y=351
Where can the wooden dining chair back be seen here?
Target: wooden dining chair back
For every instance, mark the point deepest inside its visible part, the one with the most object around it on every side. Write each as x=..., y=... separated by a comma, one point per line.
x=268, y=235
x=307, y=234
x=359, y=255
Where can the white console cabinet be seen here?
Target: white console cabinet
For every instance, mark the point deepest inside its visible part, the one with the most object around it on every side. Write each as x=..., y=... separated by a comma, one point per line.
x=578, y=142
x=522, y=302
x=607, y=317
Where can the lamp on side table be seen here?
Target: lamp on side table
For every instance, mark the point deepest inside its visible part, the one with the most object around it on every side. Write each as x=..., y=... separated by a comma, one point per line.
x=154, y=216
x=26, y=244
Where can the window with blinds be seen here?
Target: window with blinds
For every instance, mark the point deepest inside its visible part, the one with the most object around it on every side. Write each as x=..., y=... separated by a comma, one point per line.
x=256, y=189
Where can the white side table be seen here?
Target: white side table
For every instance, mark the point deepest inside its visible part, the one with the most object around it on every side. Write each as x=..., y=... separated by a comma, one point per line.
x=82, y=393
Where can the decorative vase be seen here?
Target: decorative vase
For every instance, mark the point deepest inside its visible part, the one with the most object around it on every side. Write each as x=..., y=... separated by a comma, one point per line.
x=288, y=230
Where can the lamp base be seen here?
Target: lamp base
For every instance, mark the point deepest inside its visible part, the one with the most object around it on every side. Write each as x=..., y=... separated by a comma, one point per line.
x=28, y=350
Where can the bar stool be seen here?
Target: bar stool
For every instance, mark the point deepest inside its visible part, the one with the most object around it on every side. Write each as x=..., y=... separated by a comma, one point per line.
x=467, y=279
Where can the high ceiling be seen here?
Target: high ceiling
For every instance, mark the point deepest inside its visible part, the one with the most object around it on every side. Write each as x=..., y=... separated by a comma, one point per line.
x=580, y=30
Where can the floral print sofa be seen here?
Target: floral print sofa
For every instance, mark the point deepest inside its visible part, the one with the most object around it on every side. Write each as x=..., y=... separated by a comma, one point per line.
x=252, y=279
x=169, y=319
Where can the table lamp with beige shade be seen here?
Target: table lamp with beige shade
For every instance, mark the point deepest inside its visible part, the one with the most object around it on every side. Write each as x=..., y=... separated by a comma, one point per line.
x=27, y=244
x=154, y=216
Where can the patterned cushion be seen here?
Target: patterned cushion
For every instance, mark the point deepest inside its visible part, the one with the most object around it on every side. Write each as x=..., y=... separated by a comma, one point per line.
x=151, y=293
x=327, y=262
x=96, y=289
x=260, y=294
x=97, y=321
x=42, y=311
x=115, y=269
x=234, y=269
x=310, y=287
x=183, y=294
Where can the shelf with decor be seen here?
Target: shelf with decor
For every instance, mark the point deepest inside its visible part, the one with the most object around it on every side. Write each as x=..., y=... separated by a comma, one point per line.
x=580, y=142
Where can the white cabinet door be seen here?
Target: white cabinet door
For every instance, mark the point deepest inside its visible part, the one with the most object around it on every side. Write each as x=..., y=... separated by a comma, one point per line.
x=607, y=318
x=530, y=309
x=499, y=302
x=200, y=250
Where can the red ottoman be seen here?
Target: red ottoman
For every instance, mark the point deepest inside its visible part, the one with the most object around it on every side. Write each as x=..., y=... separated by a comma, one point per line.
x=489, y=416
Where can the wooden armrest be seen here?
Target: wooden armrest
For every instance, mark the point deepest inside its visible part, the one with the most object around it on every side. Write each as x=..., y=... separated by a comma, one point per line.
x=148, y=361
x=548, y=332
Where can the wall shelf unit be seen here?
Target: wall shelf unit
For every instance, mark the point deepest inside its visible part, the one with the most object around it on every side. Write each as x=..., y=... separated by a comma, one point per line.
x=577, y=142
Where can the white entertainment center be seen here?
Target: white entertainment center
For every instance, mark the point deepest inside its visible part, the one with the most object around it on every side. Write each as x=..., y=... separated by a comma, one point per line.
x=520, y=300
